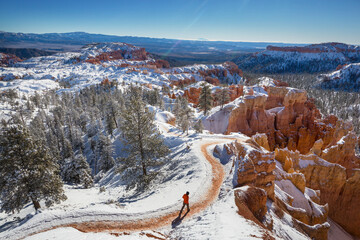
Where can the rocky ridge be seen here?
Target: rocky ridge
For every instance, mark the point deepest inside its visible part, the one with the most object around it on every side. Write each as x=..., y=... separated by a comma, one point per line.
x=306, y=164
x=310, y=59
x=8, y=59
x=345, y=78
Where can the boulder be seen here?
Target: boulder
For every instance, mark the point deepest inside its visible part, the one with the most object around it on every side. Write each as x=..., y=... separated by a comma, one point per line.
x=251, y=203
x=254, y=167
x=262, y=140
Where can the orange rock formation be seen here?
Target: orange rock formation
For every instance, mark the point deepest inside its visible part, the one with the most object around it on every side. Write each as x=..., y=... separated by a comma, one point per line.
x=315, y=153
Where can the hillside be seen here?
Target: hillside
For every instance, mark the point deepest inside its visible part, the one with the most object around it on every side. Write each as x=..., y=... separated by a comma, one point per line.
x=346, y=78
x=267, y=164
x=304, y=59
x=8, y=59
x=183, y=52
x=25, y=53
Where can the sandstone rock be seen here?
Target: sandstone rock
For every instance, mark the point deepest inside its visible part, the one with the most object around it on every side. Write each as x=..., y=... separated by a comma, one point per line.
x=315, y=153
x=317, y=232
x=192, y=95
x=340, y=193
x=343, y=152
x=298, y=180
x=297, y=213
x=235, y=91
x=262, y=140
x=255, y=167
x=316, y=148
x=346, y=208
x=251, y=203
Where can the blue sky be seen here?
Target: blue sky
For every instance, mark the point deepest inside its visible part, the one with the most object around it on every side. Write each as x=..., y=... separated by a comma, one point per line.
x=295, y=21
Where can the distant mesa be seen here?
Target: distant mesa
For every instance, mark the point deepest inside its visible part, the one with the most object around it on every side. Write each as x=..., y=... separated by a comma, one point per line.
x=312, y=58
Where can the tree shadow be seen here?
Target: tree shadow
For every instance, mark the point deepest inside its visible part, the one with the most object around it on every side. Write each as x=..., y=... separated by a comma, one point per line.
x=177, y=221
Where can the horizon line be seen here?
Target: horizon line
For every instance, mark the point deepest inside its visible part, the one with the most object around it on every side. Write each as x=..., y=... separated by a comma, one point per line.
x=184, y=39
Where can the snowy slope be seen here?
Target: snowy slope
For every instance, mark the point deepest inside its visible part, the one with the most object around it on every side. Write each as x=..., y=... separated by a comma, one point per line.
x=187, y=169
x=72, y=70
x=311, y=58
x=347, y=78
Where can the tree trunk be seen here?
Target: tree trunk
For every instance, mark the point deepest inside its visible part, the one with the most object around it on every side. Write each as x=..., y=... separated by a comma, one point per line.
x=35, y=203
x=141, y=145
x=144, y=169
x=142, y=159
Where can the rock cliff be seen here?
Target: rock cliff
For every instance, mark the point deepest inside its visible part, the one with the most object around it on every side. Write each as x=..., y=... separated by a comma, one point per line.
x=292, y=150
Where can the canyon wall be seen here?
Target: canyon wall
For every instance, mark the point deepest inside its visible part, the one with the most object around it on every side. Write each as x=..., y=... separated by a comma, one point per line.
x=314, y=154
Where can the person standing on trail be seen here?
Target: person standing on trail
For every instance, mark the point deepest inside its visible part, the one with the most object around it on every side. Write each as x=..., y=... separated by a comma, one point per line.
x=186, y=202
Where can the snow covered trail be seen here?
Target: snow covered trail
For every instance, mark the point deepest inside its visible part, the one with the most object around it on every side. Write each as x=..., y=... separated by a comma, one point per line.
x=121, y=222
x=217, y=175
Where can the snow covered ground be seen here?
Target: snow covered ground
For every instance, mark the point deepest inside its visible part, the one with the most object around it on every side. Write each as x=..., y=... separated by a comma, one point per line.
x=186, y=170
x=189, y=172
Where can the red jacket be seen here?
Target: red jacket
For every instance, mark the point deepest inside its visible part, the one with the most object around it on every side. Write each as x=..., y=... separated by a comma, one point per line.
x=186, y=198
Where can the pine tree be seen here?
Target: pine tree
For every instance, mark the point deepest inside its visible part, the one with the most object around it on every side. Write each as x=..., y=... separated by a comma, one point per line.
x=185, y=115
x=186, y=119
x=222, y=96
x=177, y=106
x=205, y=99
x=27, y=173
x=112, y=113
x=105, y=153
x=78, y=171
x=110, y=124
x=199, y=127
x=141, y=138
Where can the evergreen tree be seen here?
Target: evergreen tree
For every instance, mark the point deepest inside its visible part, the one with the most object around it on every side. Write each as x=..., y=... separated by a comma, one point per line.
x=27, y=173
x=199, y=127
x=222, y=96
x=110, y=124
x=78, y=171
x=141, y=138
x=177, y=106
x=185, y=115
x=186, y=119
x=205, y=99
x=105, y=153
x=112, y=113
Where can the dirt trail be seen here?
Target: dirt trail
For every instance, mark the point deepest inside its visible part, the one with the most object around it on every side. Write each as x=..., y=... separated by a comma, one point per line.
x=154, y=223
x=166, y=219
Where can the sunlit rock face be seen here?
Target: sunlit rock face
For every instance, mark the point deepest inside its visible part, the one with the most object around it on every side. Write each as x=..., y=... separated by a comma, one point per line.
x=8, y=59
x=291, y=146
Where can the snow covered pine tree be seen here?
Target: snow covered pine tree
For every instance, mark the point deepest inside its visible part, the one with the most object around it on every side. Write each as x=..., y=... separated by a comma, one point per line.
x=185, y=115
x=26, y=171
x=222, y=96
x=141, y=139
x=205, y=99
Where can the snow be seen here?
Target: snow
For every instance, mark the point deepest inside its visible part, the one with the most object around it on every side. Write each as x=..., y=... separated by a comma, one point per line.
x=336, y=232
x=299, y=199
x=71, y=233
x=266, y=82
x=186, y=170
x=303, y=163
x=218, y=120
x=29, y=86
x=284, y=226
x=346, y=78
x=219, y=221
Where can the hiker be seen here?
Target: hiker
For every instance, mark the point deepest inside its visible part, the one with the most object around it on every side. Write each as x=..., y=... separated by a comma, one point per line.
x=186, y=202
